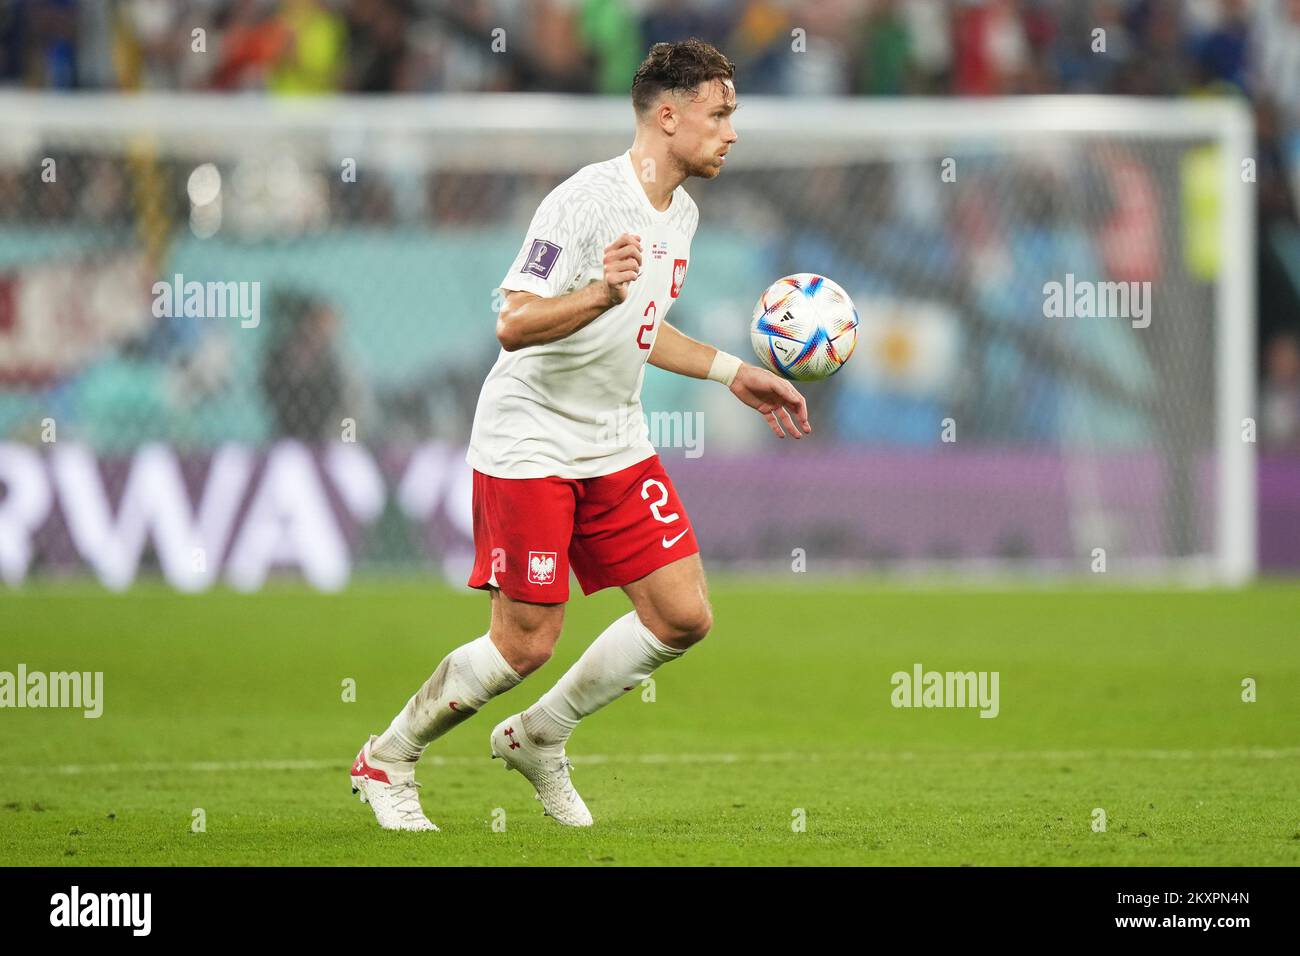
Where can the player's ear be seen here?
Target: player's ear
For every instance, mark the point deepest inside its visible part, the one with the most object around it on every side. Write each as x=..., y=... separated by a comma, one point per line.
x=666, y=114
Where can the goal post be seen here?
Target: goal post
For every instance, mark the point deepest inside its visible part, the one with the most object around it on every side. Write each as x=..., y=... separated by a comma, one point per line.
x=1055, y=372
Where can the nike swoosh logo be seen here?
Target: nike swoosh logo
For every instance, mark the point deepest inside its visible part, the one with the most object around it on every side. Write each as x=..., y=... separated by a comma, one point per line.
x=668, y=543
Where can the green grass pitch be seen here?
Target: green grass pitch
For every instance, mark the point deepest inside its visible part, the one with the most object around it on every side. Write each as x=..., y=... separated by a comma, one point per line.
x=1128, y=701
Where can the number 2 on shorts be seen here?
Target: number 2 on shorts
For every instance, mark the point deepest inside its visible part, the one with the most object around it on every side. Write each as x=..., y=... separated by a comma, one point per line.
x=656, y=505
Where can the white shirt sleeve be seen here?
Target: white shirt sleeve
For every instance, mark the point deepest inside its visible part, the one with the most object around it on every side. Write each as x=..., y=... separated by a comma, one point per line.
x=557, y=247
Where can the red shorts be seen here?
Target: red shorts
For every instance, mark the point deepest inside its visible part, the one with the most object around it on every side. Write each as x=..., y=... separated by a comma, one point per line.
x=612, y=530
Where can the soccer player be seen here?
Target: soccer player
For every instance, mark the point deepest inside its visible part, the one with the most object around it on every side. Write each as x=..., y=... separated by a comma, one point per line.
x=557, y=485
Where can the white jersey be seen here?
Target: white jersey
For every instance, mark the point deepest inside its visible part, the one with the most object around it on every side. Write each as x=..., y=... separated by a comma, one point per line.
x=572, y=408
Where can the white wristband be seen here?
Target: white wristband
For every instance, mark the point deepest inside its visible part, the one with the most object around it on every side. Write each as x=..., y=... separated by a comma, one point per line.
x=724, y=368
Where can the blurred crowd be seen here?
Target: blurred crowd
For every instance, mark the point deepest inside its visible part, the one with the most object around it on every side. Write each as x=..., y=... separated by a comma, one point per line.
x=966, y=48
x=869, y=47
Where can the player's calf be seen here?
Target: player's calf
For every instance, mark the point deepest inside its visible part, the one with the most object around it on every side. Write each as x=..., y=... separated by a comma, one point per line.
x=463, y=682
x=624, y=655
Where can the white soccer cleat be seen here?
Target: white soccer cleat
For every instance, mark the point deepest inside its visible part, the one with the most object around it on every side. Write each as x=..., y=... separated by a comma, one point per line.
x=547, y=769
x=393, y=796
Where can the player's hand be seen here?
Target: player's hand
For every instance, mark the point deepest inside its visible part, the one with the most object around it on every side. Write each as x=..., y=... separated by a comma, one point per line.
x=774, y=398
x=622, y=265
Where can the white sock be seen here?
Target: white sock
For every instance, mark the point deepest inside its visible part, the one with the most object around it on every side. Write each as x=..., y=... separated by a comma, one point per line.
x=617, y=661
x=467, y=678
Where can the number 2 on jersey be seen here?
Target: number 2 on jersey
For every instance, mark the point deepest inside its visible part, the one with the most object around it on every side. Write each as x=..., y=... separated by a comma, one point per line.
x=651, y=311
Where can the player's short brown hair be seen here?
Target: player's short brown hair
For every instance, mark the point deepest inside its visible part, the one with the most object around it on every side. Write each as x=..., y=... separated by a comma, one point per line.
x=680, y=67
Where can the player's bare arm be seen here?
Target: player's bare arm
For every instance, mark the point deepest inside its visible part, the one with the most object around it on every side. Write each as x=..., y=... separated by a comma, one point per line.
x=770, y=395
x=527, y=319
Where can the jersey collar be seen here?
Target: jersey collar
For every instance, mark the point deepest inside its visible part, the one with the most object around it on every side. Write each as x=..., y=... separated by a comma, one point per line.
x=629, y=170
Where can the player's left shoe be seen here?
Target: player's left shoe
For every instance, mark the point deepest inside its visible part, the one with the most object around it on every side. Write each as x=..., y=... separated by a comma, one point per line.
x=546, y=768
x=392, y=794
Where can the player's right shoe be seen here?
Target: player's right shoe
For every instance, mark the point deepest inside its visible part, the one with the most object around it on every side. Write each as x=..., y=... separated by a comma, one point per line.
x=546, y=768
x=392, y=794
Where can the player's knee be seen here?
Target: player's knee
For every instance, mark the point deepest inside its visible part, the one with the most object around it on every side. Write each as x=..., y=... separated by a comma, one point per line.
x=686, y=625
x=527, y=640
x=702, y=624
x=529, y=657
x=527, y=650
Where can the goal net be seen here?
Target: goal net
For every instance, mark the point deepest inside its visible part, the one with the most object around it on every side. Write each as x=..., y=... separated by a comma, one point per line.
x=240, y=335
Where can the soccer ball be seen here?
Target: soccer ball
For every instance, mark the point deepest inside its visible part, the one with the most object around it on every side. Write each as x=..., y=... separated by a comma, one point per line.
x=804, y=327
